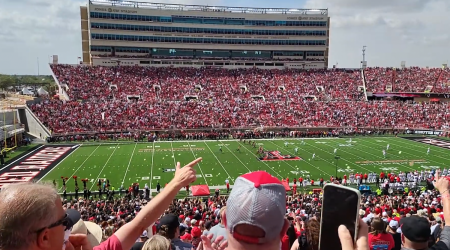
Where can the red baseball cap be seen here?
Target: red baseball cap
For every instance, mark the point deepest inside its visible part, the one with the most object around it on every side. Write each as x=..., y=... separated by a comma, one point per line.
x=186, y=236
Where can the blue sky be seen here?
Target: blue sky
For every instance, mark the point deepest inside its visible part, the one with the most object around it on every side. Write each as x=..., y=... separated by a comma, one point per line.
x=415, y=31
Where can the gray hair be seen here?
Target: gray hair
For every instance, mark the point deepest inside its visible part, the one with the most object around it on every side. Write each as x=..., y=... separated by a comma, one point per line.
x=24, y=209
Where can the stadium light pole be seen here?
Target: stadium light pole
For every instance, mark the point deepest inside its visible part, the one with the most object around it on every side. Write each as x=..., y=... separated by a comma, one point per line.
x=364, y=53
x=337, y=157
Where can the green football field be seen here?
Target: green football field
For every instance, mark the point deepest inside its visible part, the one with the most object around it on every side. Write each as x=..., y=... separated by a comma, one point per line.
x=126, y=163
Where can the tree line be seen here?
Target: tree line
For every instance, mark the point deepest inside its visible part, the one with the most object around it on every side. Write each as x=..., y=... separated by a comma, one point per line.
x=15, y=82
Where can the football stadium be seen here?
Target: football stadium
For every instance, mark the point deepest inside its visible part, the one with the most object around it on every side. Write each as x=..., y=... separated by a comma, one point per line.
x=247, y=89
x=166, y=83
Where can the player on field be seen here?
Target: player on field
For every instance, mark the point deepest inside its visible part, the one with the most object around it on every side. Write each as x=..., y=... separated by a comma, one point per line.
x=285, y=143
x=303, y=142
x=387, y=147
x=428, y=151
x=314, y=156
x=220, y=149
x=296, y=150
x=335, y=150
x=351, y=178
x=239, y=148
x=384, y=153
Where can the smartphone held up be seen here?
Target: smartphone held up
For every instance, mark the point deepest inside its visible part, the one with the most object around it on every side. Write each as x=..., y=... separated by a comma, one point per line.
x=340, y=207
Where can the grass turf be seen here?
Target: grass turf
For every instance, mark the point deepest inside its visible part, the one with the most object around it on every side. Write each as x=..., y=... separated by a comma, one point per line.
x=126, y=163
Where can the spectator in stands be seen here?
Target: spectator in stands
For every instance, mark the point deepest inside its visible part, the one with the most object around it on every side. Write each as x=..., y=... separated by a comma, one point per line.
x=207, y=228
x=157, y=242
x=392, y=229
x=416, y=230
x=219, y=229
x=378, y=237
x=309, y=238
x=141, y=241
x=169, y=227
x=31, y=208
x=255, y=212
x=32, y=217
x=289, y=238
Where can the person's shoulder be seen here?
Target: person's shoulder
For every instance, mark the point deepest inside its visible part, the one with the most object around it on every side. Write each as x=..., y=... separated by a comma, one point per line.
x=439, y=246
x=112, y=243
x=137, y=246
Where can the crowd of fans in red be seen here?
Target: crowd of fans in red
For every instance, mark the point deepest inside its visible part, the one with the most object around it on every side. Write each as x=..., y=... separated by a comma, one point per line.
x=413, y=79
x=235, y=98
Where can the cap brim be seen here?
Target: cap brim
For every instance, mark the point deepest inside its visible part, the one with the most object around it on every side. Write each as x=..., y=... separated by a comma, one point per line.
x=73, y=217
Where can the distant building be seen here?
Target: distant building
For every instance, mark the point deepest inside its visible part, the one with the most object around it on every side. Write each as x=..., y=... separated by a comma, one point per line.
x=155, y=34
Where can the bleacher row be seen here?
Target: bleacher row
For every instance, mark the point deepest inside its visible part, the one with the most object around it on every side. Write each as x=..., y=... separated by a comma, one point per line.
x=132, y=97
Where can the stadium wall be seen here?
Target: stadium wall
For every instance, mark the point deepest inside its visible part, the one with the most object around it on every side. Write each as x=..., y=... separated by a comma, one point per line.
x=32, y=124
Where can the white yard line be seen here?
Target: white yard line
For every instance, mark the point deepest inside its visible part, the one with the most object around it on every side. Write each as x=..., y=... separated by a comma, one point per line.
x=381, y=165
x=58, y=164
x=427, y=159
x=262, y=161
x=421, y=145
x=229, y=176
x=81, y=163
x=199, y=167
x=229, y=140
x=343, y=158
x=173, y=154
x=302, y=159
x=129, y=163
x=151, y=169
x=101, y=171
x=231, y=151
x=34, y=150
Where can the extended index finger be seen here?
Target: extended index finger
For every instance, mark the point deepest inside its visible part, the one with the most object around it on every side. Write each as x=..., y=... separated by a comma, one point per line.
x=194, y=162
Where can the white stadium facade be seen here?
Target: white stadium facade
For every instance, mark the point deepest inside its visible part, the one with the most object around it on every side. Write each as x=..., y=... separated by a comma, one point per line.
x=157, y=34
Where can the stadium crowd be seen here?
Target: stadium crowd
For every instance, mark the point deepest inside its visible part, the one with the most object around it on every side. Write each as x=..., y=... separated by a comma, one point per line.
x=132, y=98
x=412, y=79
x=413, y=220
x=75, y=116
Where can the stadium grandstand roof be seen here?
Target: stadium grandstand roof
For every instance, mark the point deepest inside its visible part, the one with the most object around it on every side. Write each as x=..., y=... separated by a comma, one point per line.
x=167, y=6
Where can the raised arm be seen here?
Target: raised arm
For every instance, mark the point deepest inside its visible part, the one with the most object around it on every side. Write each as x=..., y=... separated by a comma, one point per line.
x=131, y=231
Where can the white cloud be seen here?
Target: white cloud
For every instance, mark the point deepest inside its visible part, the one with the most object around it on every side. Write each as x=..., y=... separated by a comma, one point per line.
x=415, y=31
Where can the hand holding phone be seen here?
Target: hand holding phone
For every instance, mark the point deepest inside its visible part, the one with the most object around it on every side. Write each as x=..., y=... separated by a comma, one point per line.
x=340, y=207
x=347, y=241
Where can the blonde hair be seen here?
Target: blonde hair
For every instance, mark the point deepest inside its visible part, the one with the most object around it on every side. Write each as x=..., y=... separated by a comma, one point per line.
x=157, y=242
x=25, y=208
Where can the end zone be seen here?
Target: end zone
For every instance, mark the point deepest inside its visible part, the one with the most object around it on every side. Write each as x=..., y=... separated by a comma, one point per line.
x=430, y=141
x=35, y=165
x=277, y=156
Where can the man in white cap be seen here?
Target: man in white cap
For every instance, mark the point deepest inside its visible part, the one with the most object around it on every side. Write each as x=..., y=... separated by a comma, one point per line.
x=219, y=229
x=141, y=241
x=255, y=214
x=392, y=229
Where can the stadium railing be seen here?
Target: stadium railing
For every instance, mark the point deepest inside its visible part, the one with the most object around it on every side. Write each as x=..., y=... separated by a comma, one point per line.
x=254, y=129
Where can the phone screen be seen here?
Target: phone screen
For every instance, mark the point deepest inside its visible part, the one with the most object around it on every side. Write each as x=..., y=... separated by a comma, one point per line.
x=340, y=207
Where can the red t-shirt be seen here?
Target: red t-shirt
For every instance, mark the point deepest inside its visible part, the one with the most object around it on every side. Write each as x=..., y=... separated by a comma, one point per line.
x=112, y=243
x=285, y=243
x=381, y=240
